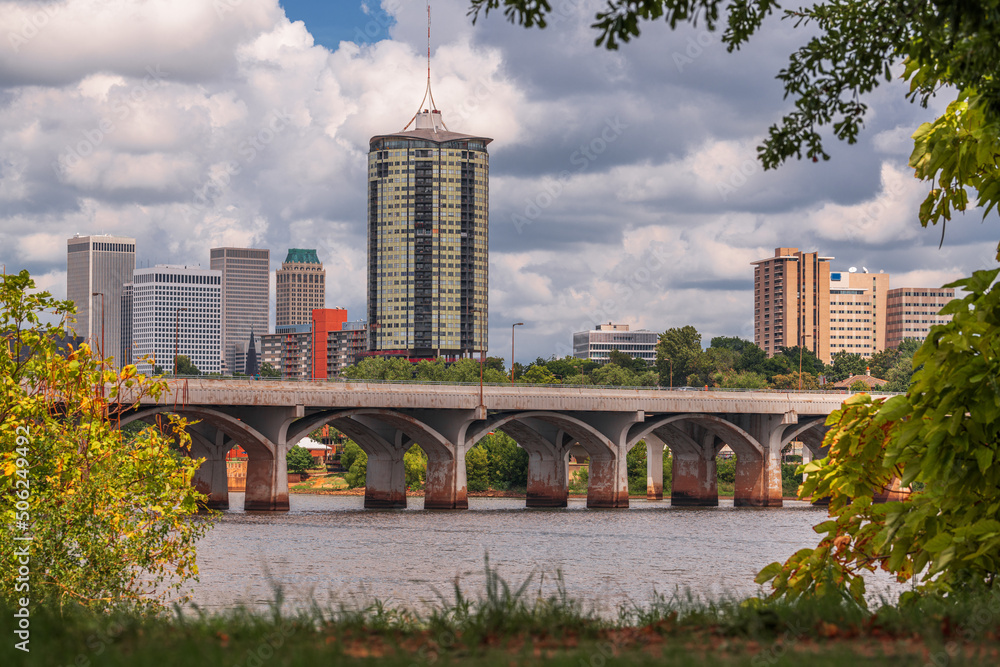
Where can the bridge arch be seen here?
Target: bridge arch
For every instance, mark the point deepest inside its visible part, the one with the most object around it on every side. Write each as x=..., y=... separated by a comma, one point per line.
x=241, y=433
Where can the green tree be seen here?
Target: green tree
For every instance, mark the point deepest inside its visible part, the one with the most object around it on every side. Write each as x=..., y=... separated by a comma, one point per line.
x=845, y=364
x=357, y=473
x=350, y=454
x=679, y=350
x=269, y=371
x=752, y=359
x=497, y=364
x=635, y=461
x=539, y=375
x=946, y=45
x=299, y=459
x=942, y=437
x=613, y=375
x=791, y=381
x=740, y=380
x=185, y=367
x=508, y=463
x=477, y=469
x=110, y=514
x=380, y=368
x=859, y=385
x=415, y=465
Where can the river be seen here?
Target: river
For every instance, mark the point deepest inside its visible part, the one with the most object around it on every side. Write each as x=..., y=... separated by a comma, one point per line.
x=329, y=548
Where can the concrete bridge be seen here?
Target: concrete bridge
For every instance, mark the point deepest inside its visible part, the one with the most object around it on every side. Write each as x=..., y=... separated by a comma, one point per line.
x=267, y=418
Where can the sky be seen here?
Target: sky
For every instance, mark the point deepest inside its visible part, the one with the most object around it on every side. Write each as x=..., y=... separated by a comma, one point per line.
x=623, y=185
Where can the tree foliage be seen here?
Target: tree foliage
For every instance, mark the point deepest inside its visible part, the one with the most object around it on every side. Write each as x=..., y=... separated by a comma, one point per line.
x=110, y=514
x=268, y=371
x=942, y=437
x=677, y=352
x=415, y=467
x=299, y=459
x=185, y=366
x=850, y=48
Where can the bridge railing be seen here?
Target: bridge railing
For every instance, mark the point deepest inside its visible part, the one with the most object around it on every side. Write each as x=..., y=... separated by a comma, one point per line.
x=339, y=380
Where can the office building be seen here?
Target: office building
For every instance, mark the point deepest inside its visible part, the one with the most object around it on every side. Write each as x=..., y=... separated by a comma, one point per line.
x=300, y=286
x=246, y=295
x=912, y=311
x=597, y=343
x=428, y=222
x=857, y=312
x=177, y=310
x=315, y=351
x=99, y=265
x=792, y=302
x=125, y=353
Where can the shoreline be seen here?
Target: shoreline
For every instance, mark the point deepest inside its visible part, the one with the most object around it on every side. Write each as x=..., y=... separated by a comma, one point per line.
x=360, y=491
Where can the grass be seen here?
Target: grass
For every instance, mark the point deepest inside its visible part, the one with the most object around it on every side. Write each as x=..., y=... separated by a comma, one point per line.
x=514, y=624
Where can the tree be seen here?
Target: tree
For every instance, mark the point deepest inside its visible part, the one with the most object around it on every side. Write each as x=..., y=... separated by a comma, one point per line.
x=946, y=45
x=379, y=368
x=635, y=461
x=299, y=459
x=185, y=367
x=539, y=375
x=791, y=381
x=268, y=371
x=477, y=469
x=508, y=463
x=740, y=380
x=941, y=437
x=110, y=514
x=845, y=364
x=859, y=385
x=679, y=350
x=415, y=465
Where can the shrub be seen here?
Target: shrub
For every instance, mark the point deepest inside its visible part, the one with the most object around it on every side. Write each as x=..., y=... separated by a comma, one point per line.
x=299, y=459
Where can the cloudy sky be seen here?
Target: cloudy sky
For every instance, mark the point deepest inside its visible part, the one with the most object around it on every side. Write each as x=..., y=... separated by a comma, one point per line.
x=623, y=185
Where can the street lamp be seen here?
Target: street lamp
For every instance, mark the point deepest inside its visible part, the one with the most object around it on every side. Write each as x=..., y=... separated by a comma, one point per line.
x=516, y=324
x=177, y=335
x=101, y=294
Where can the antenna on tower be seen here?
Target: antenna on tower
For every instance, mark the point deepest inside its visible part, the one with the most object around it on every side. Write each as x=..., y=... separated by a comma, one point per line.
x=427, y=92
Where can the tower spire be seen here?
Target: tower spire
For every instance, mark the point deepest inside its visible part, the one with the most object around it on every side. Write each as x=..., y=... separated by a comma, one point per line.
x=436, y=119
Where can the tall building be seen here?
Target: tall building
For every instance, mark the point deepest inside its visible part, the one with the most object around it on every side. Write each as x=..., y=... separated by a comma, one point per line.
x=857, y=312
x=289, y=350
x=346, y=347
x=246, y=295
x=177, y=309
x=102, y=265
x=301, y=288
x=428, y=241
x=912, y=311
x=792, y=302
x=324, y=322
x=597, y=343
x=125, y=354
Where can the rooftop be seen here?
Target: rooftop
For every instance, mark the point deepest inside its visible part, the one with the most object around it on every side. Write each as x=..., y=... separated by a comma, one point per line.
x=302, y=256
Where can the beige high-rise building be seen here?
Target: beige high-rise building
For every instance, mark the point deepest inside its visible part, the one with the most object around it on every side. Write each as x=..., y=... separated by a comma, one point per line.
x=246, y=295
x=428, y=240
x=792, y=302
x=300, y=286
x=912, y=311
x=102, y=265
x=857, y=312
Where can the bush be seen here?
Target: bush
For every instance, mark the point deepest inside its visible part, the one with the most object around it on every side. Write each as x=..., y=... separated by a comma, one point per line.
x=358, y=471
x=726, y=469
x=508, y=463
x=299, y=459
x=351, y=452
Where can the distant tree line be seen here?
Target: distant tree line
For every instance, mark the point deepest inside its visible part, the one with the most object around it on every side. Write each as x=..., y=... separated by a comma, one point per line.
x=728, y=362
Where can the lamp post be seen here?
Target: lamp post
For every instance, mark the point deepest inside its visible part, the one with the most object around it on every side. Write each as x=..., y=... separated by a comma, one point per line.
x=177, y=335
x=101, y=294
x=516, y=324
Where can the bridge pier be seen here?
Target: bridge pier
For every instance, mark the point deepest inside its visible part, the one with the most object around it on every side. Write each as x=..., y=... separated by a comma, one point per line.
x=695, y=475
x=212, y=477
x=548, y=450
x=608, y=485
x=264, y=440
x=385, y=480
x=654, y=468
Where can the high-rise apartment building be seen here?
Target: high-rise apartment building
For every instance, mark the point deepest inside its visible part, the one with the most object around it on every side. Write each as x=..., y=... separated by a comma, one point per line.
x=289, y=350
x=912, y=311
x=346, y=347
x=177, y=310
x=792, y=302
x=99, y=265
x=324, y=322
x=428, y=242
x=246, y=295
x=300, y=286
x=597, y=343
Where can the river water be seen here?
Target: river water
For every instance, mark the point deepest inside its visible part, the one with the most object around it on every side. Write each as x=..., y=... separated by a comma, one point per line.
x=329, y=548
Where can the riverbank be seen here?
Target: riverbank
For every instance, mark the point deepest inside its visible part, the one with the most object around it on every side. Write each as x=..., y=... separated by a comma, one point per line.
x=509, y=625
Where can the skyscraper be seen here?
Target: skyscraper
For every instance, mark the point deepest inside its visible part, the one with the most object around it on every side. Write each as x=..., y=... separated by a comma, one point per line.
x=428, y=240
x=912, y=311
x=792, y=302
x=246, y=295
x=177, y=309
x=102, y=265
x=301, y=288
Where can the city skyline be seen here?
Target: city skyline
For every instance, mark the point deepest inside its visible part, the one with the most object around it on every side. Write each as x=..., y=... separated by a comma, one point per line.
x=623, y=184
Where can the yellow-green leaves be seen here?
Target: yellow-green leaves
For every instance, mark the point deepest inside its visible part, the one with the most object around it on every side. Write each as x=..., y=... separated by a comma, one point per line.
x=110, y=517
